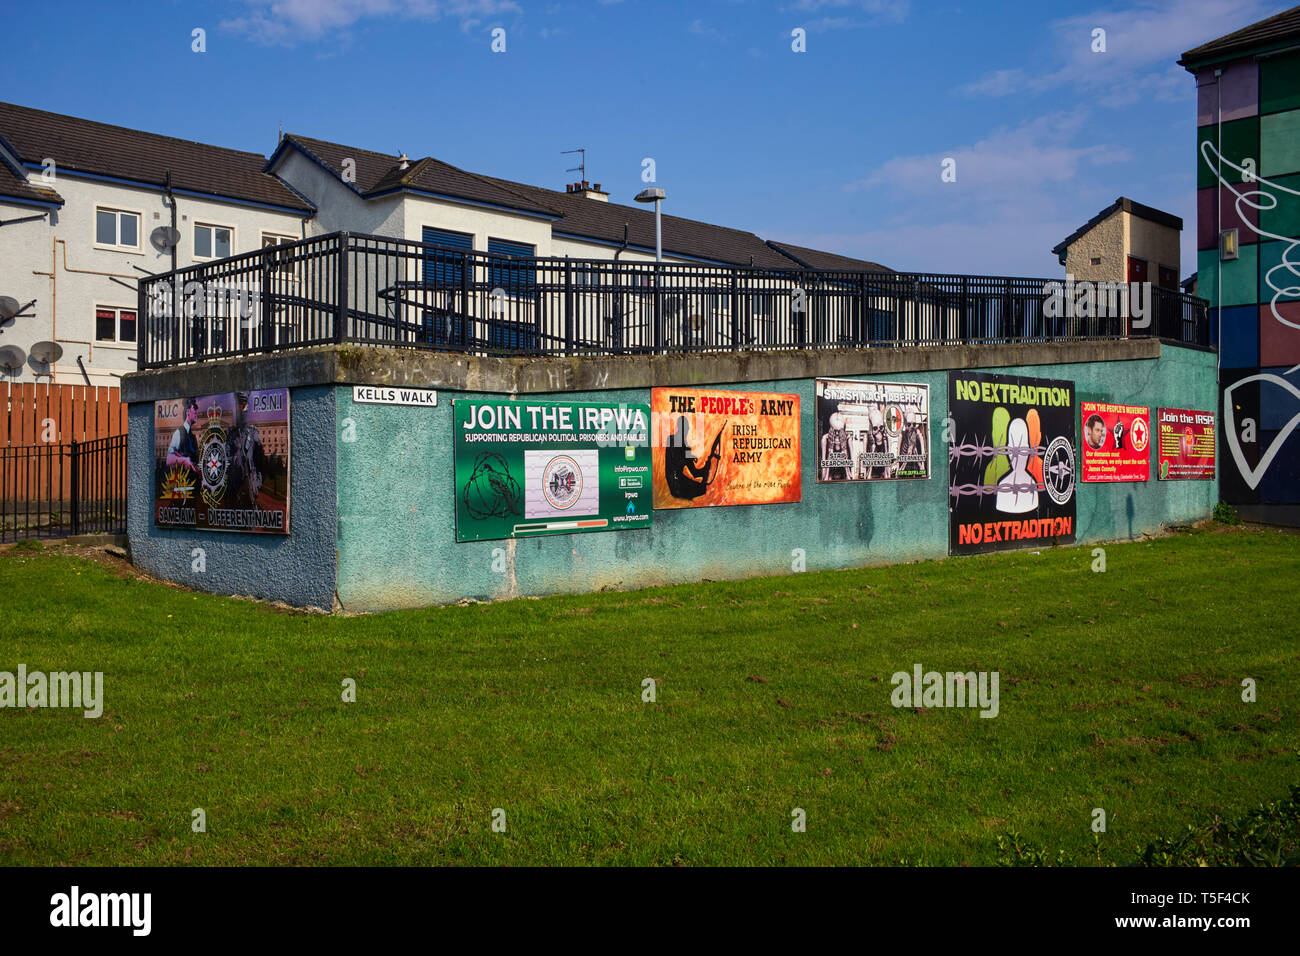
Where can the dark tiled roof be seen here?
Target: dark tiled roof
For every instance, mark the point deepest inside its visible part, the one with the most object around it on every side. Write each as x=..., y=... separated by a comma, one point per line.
x=79, y=145
x=1277, y=31
x=577, y=215
x=827, y=261
x=1149, y=213
x=378, y=172
x=15, y=186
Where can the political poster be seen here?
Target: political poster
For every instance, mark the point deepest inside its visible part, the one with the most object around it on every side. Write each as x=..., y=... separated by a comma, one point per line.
x=1116, y=443
x=872, y=431
x=1011, y=467
x=221, y=462
x=524, y=469
x=715, y=448
x=1186, y=444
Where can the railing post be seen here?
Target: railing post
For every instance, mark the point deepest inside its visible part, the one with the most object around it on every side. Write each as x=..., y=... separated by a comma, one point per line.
x=568, y=306
x=75, y=492
x=341, y=307
x=268, y=309
x=735, y=309
x=143, y=326
x=863, y=335
x=466, y=264
x=659, y=310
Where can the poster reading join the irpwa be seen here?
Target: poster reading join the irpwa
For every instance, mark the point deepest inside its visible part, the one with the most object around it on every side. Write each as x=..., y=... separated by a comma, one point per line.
x=535, y=468
x=1011, y=462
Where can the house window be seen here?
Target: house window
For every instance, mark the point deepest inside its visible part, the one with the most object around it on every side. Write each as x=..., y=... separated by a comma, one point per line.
x=117, y=227
x=444, y=268
x=508, y=275
x=212, y=242
x=114, y=325
x=270, y=240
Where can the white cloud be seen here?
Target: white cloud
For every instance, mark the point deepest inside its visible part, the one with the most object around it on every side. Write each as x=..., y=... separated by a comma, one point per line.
x=1143, y=41
x=891, y=11
x=1008, y=162
x=289, y=21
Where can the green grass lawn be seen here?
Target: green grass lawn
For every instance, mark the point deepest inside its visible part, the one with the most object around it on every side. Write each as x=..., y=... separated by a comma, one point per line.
x=1119, y=690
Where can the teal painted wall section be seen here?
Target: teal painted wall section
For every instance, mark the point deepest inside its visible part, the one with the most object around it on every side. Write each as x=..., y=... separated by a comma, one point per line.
x=396, y=530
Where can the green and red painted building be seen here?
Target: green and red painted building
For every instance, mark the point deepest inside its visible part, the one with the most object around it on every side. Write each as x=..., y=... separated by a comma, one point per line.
x=1248, y=255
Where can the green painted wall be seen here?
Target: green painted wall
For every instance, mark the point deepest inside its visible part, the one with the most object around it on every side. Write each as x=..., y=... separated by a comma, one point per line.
x=396, y=535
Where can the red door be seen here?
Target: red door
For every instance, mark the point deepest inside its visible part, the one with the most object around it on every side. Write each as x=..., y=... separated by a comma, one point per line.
x=1137, y=270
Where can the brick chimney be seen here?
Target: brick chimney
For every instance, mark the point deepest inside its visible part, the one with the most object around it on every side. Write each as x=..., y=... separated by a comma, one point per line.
x=590, y=190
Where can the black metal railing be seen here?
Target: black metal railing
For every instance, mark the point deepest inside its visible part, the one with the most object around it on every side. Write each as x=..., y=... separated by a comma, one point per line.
x=53, y=490
x=372, y=290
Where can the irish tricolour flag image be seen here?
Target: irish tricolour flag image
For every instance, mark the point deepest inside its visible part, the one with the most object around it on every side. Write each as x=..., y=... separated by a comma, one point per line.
x=561, y=483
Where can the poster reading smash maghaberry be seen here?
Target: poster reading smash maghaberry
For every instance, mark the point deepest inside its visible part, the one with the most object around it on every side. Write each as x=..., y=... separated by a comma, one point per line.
x=869, y=431
x=716, y=447
x=1116, y=443
x=1011, y=467
x=221, y=462
x=525, y=469
x=1186, y=444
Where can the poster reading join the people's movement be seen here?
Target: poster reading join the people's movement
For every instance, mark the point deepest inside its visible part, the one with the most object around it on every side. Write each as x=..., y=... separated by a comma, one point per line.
x=872, y=430
x=1011, y=468
x=1116, y=442
x=1186, y=444
x=715, y=447
x=221, y=462
x=524, y=469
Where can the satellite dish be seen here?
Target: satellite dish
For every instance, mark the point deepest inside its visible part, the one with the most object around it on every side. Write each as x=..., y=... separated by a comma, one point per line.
x=47, y=352
x=164, y=238
x=12, y=358
x=9, y=307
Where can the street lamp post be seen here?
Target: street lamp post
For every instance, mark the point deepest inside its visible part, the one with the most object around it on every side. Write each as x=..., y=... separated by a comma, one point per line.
x=655, y=195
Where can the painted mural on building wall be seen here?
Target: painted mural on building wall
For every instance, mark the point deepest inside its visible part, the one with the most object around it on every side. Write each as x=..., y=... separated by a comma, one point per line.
x=1116, y=444
x=1011, y=462
x=524, y=469
x=715, y=447
x=1185, y=443
x=221, y=462
x=869, y=431
x=1248, y=179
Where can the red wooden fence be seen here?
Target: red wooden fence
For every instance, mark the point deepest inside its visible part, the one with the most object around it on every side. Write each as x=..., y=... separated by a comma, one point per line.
x=77, y=412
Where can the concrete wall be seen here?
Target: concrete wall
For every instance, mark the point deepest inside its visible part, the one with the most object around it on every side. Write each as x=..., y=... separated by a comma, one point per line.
x=396, y=537
x=1105, y=241
x=297, y=569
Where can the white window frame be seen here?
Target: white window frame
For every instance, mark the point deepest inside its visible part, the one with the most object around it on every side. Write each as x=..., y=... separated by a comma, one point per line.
x=197, y=225
x=118, y=246
x=117, y=311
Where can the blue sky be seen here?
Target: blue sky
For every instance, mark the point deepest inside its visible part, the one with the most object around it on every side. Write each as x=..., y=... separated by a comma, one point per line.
x=838, y=147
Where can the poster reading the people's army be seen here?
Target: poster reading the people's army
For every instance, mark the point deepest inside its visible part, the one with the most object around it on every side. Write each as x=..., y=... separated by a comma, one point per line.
x=524, y=469
x=715, y=447
x=221, y=462
x=1116, y=442
x=869, y=431
x=1011, y=467
x=1186, y=444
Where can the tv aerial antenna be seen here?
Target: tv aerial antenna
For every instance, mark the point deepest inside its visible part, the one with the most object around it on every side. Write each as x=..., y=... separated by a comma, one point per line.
x=581, y=168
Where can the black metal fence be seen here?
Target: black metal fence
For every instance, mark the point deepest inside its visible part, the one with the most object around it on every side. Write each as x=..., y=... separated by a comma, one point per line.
x=49, y=491
x=372, y=290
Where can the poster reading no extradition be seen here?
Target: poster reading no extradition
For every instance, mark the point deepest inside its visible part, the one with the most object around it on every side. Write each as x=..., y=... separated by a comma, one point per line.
x=221, y=462
x=1011, y=467
x=715, y=447
x=870, y=431
x=525, y=469
x=1116, y=443
x=1186, y=444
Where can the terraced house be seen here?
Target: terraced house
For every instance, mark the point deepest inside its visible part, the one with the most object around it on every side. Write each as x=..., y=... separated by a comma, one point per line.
x=88, y=208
